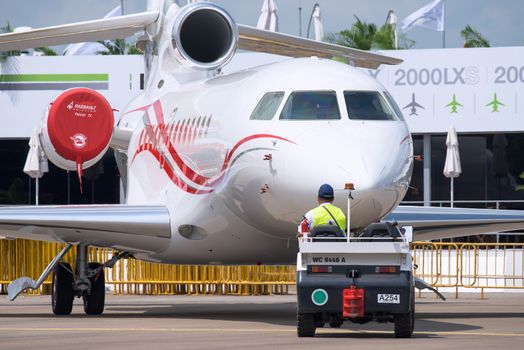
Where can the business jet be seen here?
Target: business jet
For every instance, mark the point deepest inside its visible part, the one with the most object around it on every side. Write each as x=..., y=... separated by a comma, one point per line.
x=219, y=168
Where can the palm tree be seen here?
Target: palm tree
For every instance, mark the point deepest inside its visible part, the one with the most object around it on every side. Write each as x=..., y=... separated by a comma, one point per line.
x=367, y=36
x=46, y=51
x=472, y=38
x=119, y=47
x=360, y=36
x=6, y=54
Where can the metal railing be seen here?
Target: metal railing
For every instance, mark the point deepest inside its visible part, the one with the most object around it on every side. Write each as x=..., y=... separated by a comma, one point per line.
x=470, y=265
x=485, y=203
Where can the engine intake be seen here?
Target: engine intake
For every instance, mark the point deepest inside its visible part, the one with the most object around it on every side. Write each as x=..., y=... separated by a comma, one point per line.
x=77, y=129
x=204, y=36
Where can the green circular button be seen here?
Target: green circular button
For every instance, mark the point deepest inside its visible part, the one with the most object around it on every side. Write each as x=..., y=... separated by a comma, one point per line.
x=319, y=297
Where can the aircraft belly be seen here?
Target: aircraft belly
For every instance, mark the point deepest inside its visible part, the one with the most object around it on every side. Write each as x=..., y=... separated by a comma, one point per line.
x=253, y=248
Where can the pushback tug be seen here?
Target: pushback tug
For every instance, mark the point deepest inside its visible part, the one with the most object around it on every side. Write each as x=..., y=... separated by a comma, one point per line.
x=359, y=279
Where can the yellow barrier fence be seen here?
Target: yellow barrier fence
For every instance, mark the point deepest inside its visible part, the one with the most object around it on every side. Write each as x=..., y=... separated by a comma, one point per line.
x=470, y=265
x=443, y=265
x=129, y=276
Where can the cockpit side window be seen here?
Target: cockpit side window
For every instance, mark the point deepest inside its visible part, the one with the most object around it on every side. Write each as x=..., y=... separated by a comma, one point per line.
x=367, y=105
x=268, y=105
x=311, y=105
x=393, y=104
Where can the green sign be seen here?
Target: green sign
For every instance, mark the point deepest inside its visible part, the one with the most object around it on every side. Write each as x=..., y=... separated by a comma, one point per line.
x=319, y=297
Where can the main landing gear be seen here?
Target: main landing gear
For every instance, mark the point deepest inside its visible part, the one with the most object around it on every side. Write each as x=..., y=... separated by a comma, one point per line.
x=87, y=280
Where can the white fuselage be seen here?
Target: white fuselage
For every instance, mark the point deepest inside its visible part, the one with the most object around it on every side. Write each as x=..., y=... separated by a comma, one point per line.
x=236, y=188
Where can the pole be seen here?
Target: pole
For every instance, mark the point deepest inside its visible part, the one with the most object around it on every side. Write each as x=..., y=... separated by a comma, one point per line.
x=299, y=18
x=37, y=191
x=68, y=188
x=122, y=7
x=444, y=29
x=427, y=169
x=452, y=192
x=348, y=221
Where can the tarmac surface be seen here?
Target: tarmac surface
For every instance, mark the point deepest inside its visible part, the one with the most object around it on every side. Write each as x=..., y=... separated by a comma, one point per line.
x=254, y=322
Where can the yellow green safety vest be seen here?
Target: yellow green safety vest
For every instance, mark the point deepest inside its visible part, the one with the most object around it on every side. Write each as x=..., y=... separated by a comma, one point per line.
x=322, y=217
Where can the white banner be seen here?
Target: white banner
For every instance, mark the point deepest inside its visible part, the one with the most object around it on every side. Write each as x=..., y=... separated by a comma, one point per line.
x=476, y=90
x=28, y=84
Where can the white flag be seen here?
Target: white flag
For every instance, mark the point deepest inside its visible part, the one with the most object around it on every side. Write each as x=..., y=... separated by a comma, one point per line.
x=392, y=20
x=91, y=48
x=430, y=16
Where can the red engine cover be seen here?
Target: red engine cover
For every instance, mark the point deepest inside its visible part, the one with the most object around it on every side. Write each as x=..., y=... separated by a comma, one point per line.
x=80, y=124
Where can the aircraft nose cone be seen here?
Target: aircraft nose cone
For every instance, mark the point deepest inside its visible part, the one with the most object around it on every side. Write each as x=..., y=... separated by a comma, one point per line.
x=375, y=158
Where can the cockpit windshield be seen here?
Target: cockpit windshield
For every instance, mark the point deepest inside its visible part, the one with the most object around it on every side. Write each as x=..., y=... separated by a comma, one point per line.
x=367, y=105
x=311, y=105
x=393, y=104
x=268, y=105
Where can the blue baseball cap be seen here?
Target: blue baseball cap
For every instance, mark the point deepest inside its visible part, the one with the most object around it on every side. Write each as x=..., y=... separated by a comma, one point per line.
x=326, y=191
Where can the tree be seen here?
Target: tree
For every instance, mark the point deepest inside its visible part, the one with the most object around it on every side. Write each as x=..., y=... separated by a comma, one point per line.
x=367, y=36
x=472, y=38
x=46, y=51
x=119, y=47
x=360, y=36
x=5, y=54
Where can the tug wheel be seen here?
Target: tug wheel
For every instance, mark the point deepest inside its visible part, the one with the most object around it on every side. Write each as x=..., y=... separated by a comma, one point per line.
x=306, y=325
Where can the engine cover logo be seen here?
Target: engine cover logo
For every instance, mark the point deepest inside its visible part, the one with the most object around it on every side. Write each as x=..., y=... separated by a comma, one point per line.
x=79, y=140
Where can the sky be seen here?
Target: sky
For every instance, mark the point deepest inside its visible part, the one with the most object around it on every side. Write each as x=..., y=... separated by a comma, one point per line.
x=500, y=21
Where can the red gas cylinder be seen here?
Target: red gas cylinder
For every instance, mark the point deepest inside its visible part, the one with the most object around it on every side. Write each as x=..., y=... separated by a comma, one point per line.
x=353, y=302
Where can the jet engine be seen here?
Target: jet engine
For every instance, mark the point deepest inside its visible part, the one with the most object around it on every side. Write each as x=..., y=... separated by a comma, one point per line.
x=77, y=129
x=204, y=36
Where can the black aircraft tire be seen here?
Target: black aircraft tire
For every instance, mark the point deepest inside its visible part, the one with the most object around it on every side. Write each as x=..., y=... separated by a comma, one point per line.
x=306, y=325
x=62, y=290
x=94, y=302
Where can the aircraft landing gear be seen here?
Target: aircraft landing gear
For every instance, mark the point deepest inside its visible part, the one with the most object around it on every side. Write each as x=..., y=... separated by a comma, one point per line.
x=95, y=300
x=86, y=281
x=62, y=290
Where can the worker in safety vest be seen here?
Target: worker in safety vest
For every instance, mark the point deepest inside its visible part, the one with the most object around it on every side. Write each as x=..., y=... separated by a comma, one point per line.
x=325, y=214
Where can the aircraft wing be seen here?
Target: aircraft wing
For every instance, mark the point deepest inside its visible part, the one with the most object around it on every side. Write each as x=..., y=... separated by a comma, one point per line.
x=250, y=38
x=100, y=29
x=124, y=227
x=254, y=39
x=436, y=222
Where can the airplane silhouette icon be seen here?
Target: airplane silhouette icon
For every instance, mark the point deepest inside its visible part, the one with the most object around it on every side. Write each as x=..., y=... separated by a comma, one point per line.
x=495, y=104
x=454, y=104
x=413, y=105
